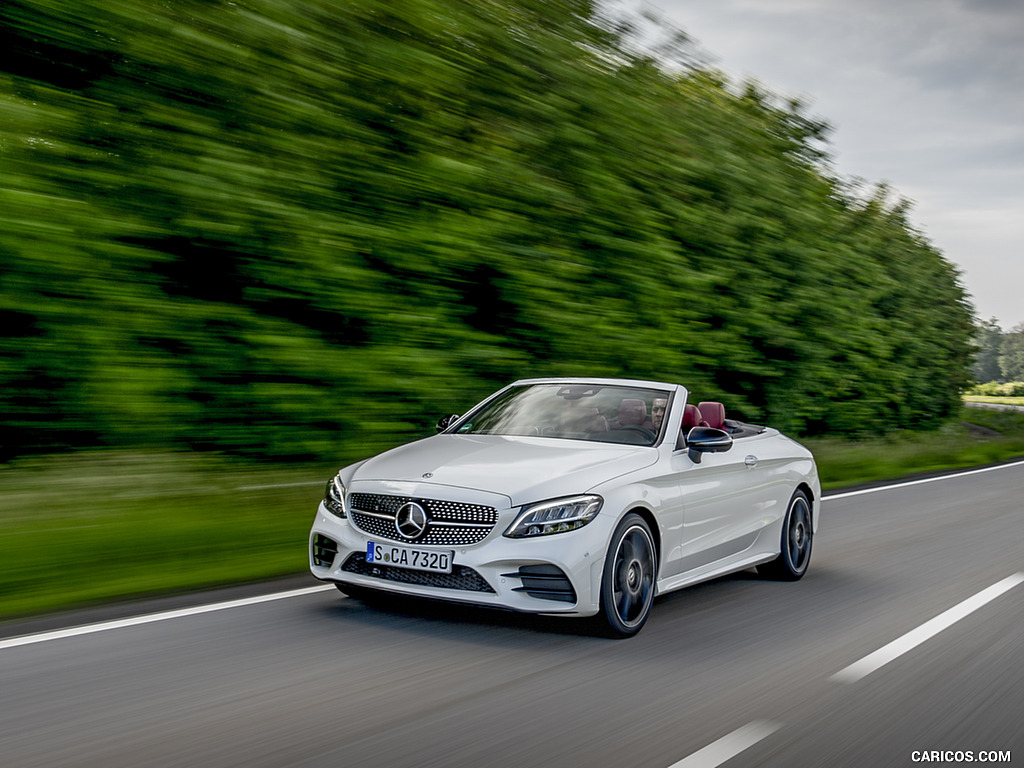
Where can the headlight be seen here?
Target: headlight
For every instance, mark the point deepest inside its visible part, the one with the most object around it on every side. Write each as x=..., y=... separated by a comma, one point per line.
x=334, y=497
x=556, y=516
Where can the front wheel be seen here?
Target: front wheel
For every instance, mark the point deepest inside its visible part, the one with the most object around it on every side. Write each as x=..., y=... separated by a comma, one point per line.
x=630, y=573
x=797, y=537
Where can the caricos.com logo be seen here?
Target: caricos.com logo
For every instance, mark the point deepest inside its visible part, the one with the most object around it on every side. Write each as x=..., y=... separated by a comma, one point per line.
x=959, y=756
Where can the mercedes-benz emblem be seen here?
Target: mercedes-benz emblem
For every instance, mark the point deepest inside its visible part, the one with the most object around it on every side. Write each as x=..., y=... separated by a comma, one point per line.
x=411, y=520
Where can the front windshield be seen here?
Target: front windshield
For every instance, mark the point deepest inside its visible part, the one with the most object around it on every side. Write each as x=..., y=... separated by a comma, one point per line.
x=608, y=414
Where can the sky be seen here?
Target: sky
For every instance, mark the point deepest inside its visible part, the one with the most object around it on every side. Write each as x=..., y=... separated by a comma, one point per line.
x=924, y=95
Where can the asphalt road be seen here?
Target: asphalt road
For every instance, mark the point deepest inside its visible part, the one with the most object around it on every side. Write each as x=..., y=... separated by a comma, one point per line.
x=771, y=674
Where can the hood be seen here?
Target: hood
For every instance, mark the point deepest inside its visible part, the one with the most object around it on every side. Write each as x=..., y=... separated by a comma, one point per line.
x=525, y=469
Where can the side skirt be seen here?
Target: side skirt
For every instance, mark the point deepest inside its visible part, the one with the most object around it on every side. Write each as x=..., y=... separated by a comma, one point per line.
x=713, y=571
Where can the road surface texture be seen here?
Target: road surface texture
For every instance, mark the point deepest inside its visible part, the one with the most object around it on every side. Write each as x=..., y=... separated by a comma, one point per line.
x=906, y=637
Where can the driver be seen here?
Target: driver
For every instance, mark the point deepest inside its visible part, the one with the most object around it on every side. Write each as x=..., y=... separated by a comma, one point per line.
x=658, y=413
x=632, y=413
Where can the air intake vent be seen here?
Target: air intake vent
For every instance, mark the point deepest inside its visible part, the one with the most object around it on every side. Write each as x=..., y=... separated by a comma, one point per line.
x=461, y=577
x=545, y=582
x=324, y=551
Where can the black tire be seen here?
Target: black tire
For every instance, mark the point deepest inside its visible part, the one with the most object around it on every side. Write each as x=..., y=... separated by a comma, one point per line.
x=629, y=579
x=797, y=539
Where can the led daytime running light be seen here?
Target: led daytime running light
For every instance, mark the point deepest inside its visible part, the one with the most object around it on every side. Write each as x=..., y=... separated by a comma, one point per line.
x=558, y=516
x=334, y=497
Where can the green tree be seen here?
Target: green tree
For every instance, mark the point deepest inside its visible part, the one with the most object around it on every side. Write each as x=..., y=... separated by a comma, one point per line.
x=988, y=340
x=1011, y=359
x=276, y=227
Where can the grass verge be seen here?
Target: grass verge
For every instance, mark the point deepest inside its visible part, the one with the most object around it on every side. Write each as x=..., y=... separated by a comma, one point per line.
x=980, y=437
x=87, y=528
x=1018, y=401
x=92, y=527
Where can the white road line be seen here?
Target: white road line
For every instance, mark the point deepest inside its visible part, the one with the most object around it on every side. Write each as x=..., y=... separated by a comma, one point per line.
x=915, y=637
x=727, y=747
x=88, y=629
x=920, y=482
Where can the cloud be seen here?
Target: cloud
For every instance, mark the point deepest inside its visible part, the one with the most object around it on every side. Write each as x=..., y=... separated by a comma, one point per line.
x=927, y=95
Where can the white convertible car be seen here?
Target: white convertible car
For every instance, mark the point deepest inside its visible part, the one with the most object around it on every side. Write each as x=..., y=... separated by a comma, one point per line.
x=579, y=497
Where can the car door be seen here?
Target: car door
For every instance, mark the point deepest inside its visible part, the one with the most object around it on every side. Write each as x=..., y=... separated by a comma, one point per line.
x=723, y=506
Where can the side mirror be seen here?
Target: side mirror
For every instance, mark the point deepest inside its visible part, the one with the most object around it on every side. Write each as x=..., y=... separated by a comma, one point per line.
x=446, y=421
x=701, y=440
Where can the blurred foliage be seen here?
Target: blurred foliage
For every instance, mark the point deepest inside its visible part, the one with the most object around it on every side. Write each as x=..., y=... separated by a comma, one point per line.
x=998, y=357
x=995, y=389
x=1011, y=355
x=279, y=228
x=988, y=342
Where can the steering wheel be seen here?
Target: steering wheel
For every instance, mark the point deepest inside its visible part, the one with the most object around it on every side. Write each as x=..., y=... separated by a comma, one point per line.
x=642, y=430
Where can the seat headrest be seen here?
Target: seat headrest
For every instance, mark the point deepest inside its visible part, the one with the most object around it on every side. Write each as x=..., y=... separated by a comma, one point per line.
x=691, y=416
x=713, y=414
x=632, y=412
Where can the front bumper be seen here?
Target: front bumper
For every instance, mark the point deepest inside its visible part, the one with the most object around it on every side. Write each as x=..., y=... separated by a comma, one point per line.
x=555, y=574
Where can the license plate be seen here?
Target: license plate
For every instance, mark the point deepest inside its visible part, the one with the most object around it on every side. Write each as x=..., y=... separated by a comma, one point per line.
x=407, y=557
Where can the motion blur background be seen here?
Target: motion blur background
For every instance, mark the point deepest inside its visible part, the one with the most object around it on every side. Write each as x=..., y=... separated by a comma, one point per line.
x=276, y=228
x=300, y=232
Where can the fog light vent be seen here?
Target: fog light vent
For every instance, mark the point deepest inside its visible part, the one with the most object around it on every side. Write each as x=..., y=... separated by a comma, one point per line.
x=324, y=551
x=545, y=582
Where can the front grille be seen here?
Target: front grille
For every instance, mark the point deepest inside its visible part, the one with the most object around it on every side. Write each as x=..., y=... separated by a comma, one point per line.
x=324, y=550
x=461, y=576
x=545, y=582
x=450, y=523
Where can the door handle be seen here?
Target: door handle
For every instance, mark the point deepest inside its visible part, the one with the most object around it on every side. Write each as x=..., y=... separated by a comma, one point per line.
x=750, y=461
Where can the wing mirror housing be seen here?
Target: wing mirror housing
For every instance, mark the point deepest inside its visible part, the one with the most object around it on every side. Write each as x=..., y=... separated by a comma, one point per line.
x=446, y=421
x=701, y=440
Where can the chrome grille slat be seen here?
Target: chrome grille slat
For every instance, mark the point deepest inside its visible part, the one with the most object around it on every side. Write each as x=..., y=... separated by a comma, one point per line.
x=381, y=515
x=452, y=523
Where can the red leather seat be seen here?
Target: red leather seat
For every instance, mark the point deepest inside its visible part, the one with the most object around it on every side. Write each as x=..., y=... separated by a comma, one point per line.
x=691, y=417
x=713, y=414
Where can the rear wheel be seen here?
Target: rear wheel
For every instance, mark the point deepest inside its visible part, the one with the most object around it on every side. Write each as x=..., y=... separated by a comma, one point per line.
x=630, y=573
x=797, y=538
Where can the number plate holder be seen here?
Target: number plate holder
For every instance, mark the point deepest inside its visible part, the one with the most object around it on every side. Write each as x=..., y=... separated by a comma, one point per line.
x=430, y=560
